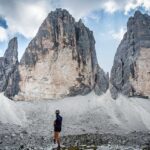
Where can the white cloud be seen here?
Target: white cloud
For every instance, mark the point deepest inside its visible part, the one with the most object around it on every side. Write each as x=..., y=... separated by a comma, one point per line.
x=133, y=4
x=81, y=8
x=111, y=6
x=28, y=21
x=91, y=16
x=25, y=17
x=118, y=35
x=130, y=6
x=145, y=4
x=3, y=34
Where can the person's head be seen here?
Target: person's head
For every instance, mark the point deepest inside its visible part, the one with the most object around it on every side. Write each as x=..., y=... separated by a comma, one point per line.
x=57, y=112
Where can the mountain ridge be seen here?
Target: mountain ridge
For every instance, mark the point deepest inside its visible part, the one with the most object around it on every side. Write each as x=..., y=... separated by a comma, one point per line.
x=61, y=61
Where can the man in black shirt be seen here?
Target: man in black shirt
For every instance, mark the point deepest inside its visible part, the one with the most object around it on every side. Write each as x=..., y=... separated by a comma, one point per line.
x=57, y=128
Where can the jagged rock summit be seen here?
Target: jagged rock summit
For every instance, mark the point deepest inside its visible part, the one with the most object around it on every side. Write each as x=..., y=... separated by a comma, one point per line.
x=130, y=74
x=9, y=75
x=60, y=61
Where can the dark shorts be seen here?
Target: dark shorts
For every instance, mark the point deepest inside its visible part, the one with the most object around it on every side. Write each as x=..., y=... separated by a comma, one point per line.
x=57, y=129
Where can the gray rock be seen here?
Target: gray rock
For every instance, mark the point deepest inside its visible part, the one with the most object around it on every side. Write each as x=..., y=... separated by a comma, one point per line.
x=9, y=74
x=101, y=81
x=11, y=53
x=13, y=137
x=64, y=52
x=114, y=92
x=129, y=74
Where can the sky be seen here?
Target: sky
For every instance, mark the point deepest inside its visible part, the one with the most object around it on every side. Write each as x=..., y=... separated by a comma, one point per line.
x=106, y=18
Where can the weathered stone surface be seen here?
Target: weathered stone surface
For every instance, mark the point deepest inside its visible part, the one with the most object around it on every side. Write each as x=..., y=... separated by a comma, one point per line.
x=60, y=61
x=9, y=75
x=101, y=81
x=130, y=74
x=16, y=138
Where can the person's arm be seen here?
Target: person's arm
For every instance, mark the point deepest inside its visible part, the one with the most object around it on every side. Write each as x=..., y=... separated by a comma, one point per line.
x=54, y=123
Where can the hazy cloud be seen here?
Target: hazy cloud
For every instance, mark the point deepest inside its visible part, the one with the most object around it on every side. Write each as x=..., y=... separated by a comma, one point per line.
x=25, y=17
x=118, y=35
x=3, y=34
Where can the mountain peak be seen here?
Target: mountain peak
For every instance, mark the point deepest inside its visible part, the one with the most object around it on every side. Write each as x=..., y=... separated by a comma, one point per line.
x=137, y=13
x=130, y=72
x=11, y=53
x=59, y=13
x=66, y=50
x=9, y=69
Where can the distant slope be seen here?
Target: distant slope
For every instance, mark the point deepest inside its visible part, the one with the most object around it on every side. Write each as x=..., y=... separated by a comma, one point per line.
x=10, y=111
x=89, y=114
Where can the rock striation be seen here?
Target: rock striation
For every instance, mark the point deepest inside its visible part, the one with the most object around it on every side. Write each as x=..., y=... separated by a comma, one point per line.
x=130, y=74
x=60, y=61
x=9, y=75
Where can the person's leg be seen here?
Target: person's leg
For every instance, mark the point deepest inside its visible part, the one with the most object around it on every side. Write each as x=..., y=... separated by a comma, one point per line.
x=58, y=138
x=55, y=137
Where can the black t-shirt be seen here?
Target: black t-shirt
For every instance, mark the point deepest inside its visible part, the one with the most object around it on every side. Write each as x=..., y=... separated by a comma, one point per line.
x=58, y=123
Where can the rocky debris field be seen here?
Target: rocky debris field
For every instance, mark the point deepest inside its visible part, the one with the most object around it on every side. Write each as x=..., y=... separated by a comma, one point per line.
x=99, y=123
x=16, y=138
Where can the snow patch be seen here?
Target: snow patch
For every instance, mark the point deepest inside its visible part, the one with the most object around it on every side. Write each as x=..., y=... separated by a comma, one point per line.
x=89, y=114
x=10, y=112
x=81, y=114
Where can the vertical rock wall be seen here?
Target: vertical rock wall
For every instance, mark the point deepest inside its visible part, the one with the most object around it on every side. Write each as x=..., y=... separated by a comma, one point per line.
x=60, y=61
x=130, y=74
x=9, y=75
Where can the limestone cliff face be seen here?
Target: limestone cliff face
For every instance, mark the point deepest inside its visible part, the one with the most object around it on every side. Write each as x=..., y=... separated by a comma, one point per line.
x=60, y=61
x=9, y=75
x=130, y=74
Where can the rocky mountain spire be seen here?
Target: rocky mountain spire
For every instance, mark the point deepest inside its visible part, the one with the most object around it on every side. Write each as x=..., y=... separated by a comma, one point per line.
x=11, y=53
x=60, y=61
x=130, y=74
x=9, y=75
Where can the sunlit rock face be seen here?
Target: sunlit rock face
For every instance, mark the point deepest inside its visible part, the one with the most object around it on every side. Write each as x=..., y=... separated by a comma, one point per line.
x=60, y=61
x=130, y=74
x=9, y=75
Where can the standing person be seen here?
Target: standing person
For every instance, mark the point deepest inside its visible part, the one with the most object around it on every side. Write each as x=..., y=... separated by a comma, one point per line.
x=57, y=128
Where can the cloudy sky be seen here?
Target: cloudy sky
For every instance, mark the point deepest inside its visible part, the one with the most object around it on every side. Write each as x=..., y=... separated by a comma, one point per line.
x=106, y=18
